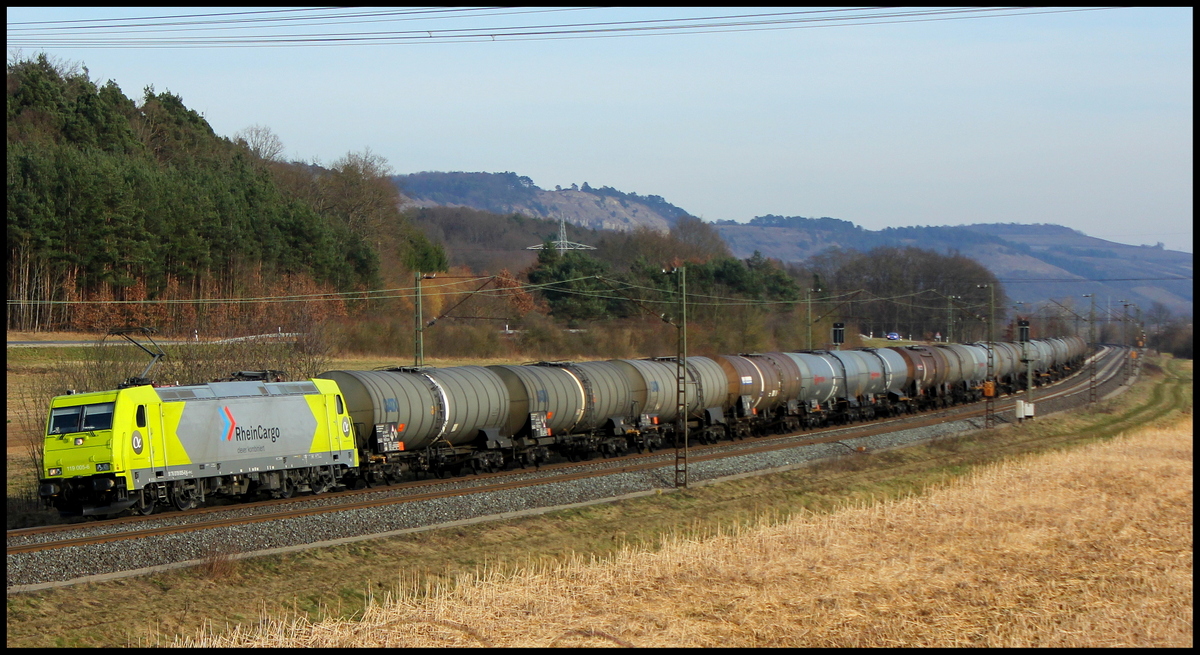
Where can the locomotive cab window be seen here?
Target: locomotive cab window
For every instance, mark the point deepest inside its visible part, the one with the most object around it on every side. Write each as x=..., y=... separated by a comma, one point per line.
x=65, y=419
x=339, y=406
x=98, y=416
x=82, y=417
x=141, y=416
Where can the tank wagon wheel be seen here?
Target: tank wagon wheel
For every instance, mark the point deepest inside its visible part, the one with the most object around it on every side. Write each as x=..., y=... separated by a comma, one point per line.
x=145, y=504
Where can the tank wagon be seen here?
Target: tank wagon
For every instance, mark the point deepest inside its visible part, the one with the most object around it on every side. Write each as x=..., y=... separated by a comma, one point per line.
x=140, y=447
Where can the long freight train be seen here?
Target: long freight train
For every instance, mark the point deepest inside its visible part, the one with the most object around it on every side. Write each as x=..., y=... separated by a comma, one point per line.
x=137, y=448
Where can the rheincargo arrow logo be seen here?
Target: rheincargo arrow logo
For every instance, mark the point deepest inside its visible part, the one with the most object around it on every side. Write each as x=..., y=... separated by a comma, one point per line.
x=234, y=432
x=227, y=423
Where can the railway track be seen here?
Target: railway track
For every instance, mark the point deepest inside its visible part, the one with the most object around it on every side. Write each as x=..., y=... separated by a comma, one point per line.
x=31, y=540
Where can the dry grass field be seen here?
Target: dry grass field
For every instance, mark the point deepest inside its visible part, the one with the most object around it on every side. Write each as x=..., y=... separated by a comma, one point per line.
x=1084, y=547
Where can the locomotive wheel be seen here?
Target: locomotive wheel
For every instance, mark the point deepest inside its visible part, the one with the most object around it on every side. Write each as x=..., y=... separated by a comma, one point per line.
x=145, y=504
x=287, y=488
x=184, y=499
x=325, y=482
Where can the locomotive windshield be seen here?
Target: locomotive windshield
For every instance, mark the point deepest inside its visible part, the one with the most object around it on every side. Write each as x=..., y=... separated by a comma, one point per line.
x=81, y=418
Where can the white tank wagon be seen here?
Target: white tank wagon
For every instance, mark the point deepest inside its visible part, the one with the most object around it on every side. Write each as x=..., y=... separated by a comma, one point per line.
x=856, y=398
x=894, y=369
x=427, y=420
x=1006, y=361
x=868, y=383
x=822, y=385
x=654, y=400
x=705, y=393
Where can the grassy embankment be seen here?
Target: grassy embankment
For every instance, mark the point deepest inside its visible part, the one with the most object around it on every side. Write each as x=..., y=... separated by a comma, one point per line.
x=1076, y=548
x=334, y=583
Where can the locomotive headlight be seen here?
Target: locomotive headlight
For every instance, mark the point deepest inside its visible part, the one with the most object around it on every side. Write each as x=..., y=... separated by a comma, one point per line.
x=78, y=441
x=103, y=467
x=56, y=471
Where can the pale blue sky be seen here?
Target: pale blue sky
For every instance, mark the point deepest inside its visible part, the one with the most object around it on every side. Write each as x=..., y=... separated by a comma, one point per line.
x=1082, y=119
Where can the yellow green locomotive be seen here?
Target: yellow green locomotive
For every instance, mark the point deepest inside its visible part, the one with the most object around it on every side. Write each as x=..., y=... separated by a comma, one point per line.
x=143, y=446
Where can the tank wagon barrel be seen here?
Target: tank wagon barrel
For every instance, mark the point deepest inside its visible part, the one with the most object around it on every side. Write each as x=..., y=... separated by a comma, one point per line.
x=893, y=367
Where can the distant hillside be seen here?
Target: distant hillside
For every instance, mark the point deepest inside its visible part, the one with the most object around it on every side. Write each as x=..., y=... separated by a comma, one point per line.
x=1061, y=259
x=507, y=193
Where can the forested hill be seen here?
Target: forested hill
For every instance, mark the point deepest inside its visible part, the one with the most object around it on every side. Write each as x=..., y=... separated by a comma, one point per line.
x=1065, y=260
x=111, y=198
x=604, y=208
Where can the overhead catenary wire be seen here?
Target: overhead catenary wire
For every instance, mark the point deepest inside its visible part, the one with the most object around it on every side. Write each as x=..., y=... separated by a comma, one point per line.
x=433, y=290
x=43, y=34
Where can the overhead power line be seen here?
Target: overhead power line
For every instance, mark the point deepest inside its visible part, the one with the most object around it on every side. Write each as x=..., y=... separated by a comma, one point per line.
x=293, y=30
x=430, y=290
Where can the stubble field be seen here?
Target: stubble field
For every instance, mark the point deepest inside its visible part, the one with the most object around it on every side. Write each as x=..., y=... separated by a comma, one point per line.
x=1088, y=547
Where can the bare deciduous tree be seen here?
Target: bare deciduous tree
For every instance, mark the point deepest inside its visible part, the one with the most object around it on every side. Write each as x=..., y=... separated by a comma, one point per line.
x=262, y=142
x=361, y=192
x=702, y=237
